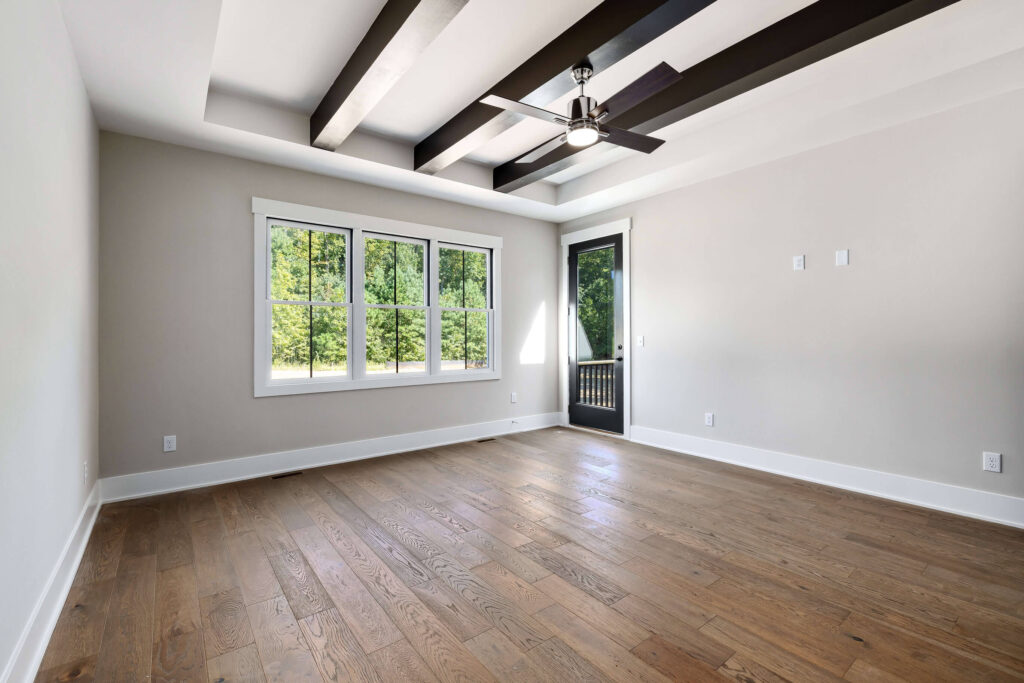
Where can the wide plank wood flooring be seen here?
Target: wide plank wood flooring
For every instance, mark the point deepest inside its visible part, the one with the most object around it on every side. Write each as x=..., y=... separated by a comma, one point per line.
x=554, y=555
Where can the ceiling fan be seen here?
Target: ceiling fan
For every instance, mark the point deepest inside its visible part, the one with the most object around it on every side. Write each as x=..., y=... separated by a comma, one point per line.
x=582, y=122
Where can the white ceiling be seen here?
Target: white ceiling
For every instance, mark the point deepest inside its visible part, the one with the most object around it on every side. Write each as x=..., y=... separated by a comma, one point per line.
x=287, y=52
x=241, y=76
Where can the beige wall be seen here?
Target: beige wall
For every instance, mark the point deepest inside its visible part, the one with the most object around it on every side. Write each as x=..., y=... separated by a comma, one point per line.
x=910, y=360
x=176, y=313
x=48, y=275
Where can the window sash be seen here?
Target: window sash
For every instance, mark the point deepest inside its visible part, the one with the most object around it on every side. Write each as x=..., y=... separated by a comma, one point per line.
x=432, y=240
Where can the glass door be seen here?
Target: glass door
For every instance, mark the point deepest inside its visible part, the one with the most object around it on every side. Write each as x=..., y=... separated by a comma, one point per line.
x=595, y=334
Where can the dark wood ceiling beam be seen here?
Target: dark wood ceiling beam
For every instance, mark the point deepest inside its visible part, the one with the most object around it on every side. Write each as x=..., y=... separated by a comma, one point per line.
x=401, y=32
x=609, y=32
x=814, y=33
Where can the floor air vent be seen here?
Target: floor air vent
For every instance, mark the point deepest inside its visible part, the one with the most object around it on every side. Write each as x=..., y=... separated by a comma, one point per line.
x=286, y=474
x=484, y=440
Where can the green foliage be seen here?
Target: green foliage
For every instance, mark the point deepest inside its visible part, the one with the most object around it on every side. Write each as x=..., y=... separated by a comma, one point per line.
x=393, y=275
x=311, y=266
x=301, y=260
x=595, y=299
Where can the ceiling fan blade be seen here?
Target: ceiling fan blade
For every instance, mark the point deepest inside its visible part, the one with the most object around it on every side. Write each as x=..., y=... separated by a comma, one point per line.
x=525, y=109
x=625, y=138
x=538, y=152
x=655, y=80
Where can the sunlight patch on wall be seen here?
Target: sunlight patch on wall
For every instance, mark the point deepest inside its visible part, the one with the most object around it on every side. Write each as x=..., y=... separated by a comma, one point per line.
x=532, y=352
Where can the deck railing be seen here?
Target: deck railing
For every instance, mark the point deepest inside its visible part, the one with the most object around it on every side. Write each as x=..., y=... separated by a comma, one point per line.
x=596, y=382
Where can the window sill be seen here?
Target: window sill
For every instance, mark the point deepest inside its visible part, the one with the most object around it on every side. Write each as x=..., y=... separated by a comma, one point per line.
x=308, y=386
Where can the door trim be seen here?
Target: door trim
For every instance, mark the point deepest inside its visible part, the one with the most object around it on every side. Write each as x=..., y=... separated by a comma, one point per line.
x=622, y=226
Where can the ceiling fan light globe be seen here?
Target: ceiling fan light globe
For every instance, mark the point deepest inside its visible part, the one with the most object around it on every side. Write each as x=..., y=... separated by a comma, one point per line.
x=582, y=136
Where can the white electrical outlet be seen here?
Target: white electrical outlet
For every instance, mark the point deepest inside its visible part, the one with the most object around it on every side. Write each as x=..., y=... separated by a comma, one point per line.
x=843, y=257
x=85, y=471
x=514, y=398
x=799, y=262
x=709, y=419
x=992, y=462
x=640, y=341
x=170, y=443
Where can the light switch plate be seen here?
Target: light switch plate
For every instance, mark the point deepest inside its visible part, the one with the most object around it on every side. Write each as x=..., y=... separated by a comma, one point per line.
x=843, y=257
x=640, y=341
x=798, y=262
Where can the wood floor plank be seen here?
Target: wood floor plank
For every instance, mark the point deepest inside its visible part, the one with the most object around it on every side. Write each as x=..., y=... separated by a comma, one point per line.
x=335, y=649
x=507, y=556
x=225, y=622
x=589, y=582
x=615, y=661
x=458, y=614
x=400, y=662
x=674, y=662
x=103, y=551
x=256, y=577
x=682, y=635
x=565, y=664
x=174, y=534
x=506, y=661
x=524, y=595
x=126, y=650
x=369, y=621
x=177, y=602
x=79, y=671
x=281, y=646
x=179, y=659
x=504, y=615
x=302, y=588
x=238, y=666
x=214, y=571
x=550, y=555
x=79, y=628
x=599, y=615
x=446, y=656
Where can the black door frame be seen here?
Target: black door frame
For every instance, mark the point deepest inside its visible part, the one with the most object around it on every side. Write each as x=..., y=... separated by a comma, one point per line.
x=584, y=415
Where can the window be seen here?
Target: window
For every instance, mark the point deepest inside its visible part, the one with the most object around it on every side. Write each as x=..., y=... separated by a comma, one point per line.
x=465, y=294
x=354, y=302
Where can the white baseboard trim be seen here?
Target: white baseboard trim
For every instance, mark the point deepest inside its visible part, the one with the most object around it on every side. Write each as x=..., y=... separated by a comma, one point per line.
x=194, y=476
x=29, y=650
x=959, y=500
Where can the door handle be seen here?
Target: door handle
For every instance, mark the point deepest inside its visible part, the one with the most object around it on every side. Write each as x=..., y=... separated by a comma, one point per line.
x=620, y=359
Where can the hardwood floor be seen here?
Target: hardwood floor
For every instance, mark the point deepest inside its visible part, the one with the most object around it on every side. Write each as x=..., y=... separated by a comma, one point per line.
x=553, y=555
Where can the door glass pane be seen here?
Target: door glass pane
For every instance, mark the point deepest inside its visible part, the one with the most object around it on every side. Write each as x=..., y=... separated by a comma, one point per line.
x=330, y=341
x=289, y=263
x=412, y=340
x=290, y=341
x=381, y=328
x=329, y=267
x=595, y=326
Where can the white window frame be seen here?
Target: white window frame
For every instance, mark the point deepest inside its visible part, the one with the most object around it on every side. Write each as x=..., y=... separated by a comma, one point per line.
x=357, y=226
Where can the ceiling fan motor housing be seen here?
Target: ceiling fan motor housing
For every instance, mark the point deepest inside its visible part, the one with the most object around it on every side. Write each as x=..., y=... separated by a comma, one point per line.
x=579, y=106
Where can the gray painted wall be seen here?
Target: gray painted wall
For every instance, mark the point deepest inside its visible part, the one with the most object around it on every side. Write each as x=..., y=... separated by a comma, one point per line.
x=910, y=360
x=48, y=275
x=176, y=311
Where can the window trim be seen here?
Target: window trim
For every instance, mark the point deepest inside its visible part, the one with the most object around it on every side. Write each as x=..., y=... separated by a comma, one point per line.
x=357, y=225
